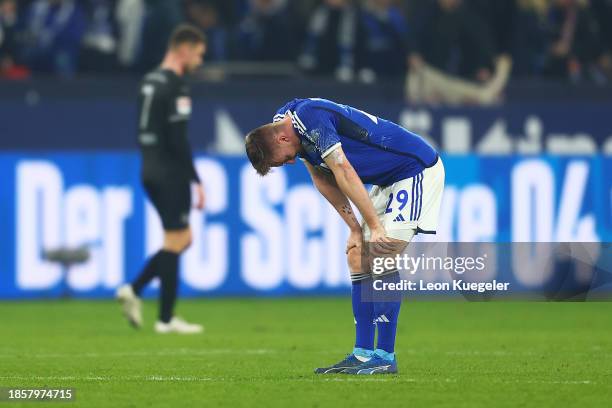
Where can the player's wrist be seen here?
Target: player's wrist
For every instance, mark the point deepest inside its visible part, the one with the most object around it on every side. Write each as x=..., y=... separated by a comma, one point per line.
x=377, y=227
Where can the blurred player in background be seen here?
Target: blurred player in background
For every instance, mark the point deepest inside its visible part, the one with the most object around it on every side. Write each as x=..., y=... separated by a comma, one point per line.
x=167, y=174
x=344, y=148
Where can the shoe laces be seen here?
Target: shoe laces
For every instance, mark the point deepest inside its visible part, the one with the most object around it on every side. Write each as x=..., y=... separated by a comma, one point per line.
x=348, y=357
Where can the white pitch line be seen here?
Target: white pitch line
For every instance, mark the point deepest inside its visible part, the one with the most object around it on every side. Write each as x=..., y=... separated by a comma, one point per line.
x=451, y=380
x=112, y=354
x=566, y=382
x=7, y=353
x=13, y=353
x=160, y=353
x=158, y=378
x=162, y=378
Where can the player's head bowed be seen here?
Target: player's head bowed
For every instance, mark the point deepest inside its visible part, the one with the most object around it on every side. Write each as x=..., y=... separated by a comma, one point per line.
x=272, y=145
x=188, y=45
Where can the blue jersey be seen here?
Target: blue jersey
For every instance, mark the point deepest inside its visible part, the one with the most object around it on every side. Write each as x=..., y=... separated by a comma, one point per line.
x=381, y=152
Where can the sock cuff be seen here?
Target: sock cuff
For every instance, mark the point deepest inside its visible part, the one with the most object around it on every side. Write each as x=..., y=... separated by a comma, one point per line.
x=362, y=352
x=384, y=354
x=388, y=273
x=358, y=277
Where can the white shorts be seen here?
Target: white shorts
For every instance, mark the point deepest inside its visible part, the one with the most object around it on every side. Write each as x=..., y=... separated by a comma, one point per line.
x=410, y=205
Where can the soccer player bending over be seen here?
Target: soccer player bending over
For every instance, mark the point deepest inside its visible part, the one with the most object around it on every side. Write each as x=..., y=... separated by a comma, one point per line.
x=344, y=148
x=167, y=174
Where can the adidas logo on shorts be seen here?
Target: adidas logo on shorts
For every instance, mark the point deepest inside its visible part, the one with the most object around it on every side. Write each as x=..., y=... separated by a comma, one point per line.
x=399, y=218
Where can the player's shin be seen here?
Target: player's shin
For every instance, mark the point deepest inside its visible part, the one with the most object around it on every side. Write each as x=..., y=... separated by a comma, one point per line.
x=169, y=285
x=150, y=270
x=386, y=307
x=363, y=312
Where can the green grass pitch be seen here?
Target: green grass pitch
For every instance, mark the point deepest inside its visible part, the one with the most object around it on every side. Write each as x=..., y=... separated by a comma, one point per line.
x=261, y=353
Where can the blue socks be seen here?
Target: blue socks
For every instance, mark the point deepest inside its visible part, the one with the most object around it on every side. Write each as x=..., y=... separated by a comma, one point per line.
x=373, y=310
x=386, y=312
x=384, y=355
x=363, y=312
x=362, y=354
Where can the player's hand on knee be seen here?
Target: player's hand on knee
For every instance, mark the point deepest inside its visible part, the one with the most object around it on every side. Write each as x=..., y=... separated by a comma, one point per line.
x=380, y=244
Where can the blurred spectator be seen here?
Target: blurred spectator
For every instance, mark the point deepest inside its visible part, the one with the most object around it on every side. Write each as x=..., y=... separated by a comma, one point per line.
x=99, y=48
x=52, y=35
x=458, y=50
x=8, y=45
x=452, y=58
x=574, y=42
x=330, y=40
x=529, y=44
x=450, y=37
x=231, y=12
x=130, y=18
x=265, y=34
x=303, y=9
x=382, y=41
x=206, y=15
x=499, y=17
x=241, y=8
x=602, y=11
x=161, y=17
x=8, y=22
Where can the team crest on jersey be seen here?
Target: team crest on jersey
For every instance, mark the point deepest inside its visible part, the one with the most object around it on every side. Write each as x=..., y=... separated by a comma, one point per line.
x=183, y=105
x=313, y=135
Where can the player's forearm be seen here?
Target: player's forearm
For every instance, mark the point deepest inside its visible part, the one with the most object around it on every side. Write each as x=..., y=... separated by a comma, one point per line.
x=352, y=187
x=190, y=170
x=332, y=193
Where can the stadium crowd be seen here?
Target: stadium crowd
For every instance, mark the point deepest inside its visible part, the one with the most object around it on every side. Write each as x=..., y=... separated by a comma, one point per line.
x=463, y=40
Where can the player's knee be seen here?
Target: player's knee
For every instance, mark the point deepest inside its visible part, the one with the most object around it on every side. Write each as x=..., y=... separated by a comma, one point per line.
x=178, y=241
x=186, y=240
x=183, y=240
x=173, y=246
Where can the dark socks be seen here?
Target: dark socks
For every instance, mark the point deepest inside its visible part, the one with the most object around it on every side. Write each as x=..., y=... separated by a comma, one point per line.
x=168, y=272
x=165, y=265
x=150, y=271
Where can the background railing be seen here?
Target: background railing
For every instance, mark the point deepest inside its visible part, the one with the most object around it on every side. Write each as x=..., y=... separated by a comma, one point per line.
x=100, y=113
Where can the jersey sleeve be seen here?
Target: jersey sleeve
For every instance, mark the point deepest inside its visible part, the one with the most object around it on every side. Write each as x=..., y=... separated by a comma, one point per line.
x=178, y=143
x=181, y=149
x=153, y=107
x=319, y=128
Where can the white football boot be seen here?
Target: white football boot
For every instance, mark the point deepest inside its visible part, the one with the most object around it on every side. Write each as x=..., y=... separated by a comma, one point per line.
x=132, y=309
x=178, y=325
